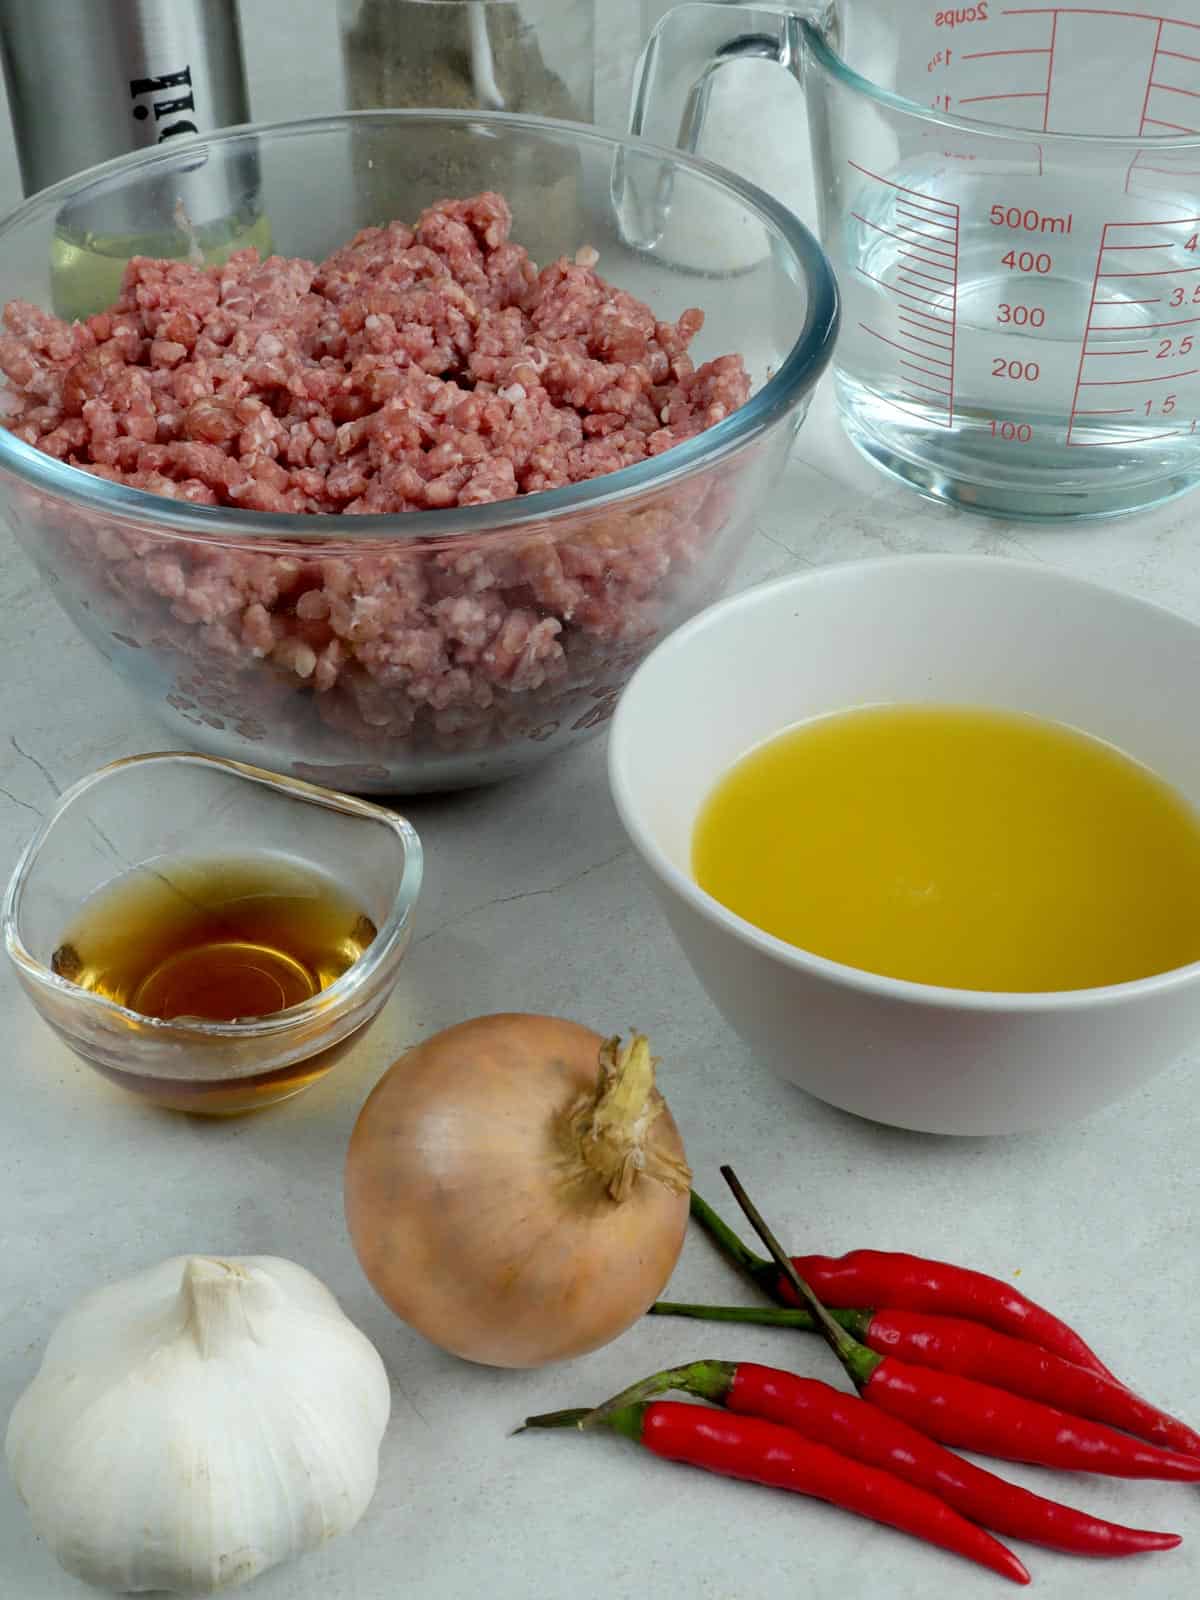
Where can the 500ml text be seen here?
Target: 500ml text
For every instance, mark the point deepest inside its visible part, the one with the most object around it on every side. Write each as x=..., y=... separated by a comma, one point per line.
x=1030, y=221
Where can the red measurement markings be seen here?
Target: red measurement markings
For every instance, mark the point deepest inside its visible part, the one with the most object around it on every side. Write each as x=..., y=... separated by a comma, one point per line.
x=915, y=283
x=1089, y=352
x=1155, y=222
x=920, y=329
x=922, y=320
x=1159, y=51
x=903, y=293
x=943, y=207
x=903, y=238
x=1155, y=84
x=1137, y=438
x=1050, y=73
x=926, y=219
x=1150, y=77
x=1140, y=327
x=1167, y=272
x=931, y=344
x=918, y=400
x=907, y=349
x=1048, y=50
x=926, y=257
x=925, y=277
x=1016, y=94
x=906, y=211
x=938, y=275
x=932, y=388
x=1096, y=11
x=917, y=319
x=1121, y=383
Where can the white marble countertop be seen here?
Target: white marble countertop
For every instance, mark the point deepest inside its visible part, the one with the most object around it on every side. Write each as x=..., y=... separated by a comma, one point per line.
x=534, y=901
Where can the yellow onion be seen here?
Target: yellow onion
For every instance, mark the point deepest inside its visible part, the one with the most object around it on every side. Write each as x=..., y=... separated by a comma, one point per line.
x=516, y=1189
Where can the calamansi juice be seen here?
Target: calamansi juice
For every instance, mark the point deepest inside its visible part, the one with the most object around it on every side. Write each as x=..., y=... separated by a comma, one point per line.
x=952, y=845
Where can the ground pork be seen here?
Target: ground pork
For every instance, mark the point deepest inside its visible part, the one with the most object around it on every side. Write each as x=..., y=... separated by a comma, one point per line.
x=417, y=368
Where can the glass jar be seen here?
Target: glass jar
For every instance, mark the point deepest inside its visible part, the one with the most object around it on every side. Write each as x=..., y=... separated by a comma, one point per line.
x=532, y=56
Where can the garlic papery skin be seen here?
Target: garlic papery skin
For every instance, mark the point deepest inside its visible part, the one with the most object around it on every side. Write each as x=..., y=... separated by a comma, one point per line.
x=197, y=1423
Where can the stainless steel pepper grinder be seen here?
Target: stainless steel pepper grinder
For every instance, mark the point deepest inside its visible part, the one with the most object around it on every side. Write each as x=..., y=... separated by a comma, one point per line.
x=91, y=79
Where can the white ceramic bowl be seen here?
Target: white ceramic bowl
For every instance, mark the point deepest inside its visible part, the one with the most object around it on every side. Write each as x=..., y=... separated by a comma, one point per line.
x=962, y=629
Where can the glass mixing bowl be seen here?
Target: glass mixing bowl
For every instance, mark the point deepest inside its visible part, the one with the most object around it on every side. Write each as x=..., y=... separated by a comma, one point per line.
x=320, y=646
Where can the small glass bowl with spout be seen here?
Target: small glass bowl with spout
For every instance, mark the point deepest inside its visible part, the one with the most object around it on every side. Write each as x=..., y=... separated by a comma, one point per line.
x=137, y=814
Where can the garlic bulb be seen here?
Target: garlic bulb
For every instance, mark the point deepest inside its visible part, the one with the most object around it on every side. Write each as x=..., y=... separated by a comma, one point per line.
x=199, y=1422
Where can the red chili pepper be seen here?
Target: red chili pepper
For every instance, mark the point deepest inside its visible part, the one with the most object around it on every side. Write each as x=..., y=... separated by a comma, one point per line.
x=952, y=1344
x=913, y=1283
x=764, y=1452
x=848, y=1425
x=909, y=1283
x=977, y=1416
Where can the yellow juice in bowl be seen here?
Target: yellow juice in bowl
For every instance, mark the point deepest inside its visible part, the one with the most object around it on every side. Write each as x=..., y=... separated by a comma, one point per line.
x=959, y=846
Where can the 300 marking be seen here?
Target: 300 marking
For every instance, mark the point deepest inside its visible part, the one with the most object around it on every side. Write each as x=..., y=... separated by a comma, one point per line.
x=1022, y=316
x=1030, y=220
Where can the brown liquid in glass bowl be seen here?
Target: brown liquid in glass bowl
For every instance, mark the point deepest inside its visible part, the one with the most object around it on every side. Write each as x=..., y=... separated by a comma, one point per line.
x=216, y=941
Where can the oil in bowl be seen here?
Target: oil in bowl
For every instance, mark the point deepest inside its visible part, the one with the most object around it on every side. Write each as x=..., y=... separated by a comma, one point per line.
x=959, y=846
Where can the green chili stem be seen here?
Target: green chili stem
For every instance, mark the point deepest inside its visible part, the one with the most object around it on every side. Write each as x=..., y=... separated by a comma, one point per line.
x=556, y=1419
x=756, y=1267
x=858, y=1361
x=853, y=1320
x=626, y=1420
x=708, y=1380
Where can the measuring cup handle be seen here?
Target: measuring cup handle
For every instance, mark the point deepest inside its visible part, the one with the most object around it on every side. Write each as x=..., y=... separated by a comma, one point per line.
x=674, y=77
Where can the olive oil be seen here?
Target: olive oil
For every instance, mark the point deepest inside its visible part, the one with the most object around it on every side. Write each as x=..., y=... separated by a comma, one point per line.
x=86, y=267
x=958, y=846
x=217, y=940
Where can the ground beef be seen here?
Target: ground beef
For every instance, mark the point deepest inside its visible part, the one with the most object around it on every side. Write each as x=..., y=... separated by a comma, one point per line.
x=416, y=368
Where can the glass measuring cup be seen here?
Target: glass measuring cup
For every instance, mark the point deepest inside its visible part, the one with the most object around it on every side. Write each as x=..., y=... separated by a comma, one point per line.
x=1010, y=196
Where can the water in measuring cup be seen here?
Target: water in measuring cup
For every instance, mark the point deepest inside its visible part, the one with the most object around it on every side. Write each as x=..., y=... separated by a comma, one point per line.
x=1024, y=345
